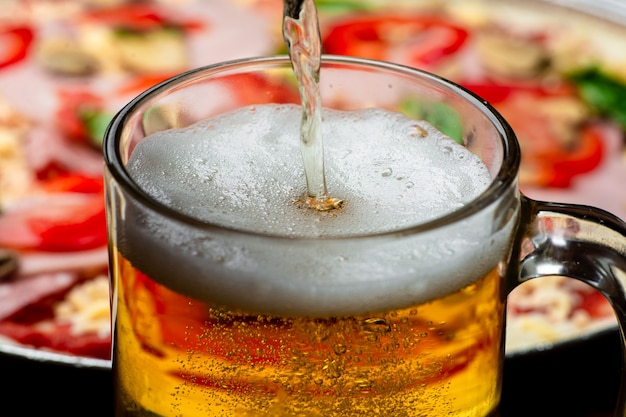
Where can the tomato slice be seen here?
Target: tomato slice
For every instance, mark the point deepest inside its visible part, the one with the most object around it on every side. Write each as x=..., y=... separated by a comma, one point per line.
x=420, y=40
x=15, y=43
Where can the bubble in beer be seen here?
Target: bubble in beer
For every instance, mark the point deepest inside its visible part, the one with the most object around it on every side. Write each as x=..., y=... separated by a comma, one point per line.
x=244, y=170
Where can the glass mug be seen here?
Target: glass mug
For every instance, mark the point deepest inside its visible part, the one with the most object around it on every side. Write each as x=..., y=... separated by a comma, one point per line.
x=220, y=320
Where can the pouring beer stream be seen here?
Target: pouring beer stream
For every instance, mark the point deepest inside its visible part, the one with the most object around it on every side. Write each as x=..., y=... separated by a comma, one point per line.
x=302, y=36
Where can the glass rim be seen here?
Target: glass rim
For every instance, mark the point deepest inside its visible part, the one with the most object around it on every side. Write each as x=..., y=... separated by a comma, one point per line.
x=501, y=182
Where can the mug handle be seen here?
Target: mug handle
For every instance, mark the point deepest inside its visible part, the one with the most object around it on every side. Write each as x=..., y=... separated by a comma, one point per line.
x=580, y=242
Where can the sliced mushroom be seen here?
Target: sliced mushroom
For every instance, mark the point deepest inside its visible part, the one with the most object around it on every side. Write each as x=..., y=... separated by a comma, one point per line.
x=157, y=51
x=63, y=56
x=509, y=55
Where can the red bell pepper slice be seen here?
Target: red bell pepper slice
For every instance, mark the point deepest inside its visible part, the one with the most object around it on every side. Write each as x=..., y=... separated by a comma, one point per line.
x=426, y=39
x=139, y=17
x=141, y=83
x=497, y=93
x=584, y=157
x=15, y=43
x=82, y=117
x=82, y=227
x=594, y=303
x=59, y=338
x=71, y=105
x=558, y=168
x=547, y=159
x=74, y=221
x=258, y=89
x=73, y=182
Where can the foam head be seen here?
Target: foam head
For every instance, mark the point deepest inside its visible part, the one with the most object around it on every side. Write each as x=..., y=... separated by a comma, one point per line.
x=243, y=171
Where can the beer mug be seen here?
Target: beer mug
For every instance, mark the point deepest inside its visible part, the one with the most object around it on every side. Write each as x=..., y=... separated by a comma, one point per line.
x=240, y=317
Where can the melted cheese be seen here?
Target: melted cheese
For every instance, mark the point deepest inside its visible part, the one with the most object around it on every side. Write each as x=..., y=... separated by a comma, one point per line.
x=16, y=179
x=86, y=307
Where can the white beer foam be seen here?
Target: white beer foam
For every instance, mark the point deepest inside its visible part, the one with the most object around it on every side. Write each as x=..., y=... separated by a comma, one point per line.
x=243, y=170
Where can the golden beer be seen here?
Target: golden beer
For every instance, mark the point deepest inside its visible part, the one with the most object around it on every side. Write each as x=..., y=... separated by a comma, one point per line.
x=230, y=299
x=177, y=356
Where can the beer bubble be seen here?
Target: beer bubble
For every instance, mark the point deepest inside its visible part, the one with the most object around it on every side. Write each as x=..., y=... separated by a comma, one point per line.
x=363, y=383
x=340, y=349
x=376, y=325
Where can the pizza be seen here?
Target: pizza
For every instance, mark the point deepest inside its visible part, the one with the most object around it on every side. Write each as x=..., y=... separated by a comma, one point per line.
x=66, y=67
x=556, y=74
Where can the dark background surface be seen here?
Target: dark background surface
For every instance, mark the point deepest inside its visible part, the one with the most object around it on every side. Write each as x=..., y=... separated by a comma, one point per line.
x=577, y=380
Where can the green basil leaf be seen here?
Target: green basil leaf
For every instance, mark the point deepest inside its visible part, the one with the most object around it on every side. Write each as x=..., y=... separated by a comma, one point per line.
x=96, y=123
x=605, y=95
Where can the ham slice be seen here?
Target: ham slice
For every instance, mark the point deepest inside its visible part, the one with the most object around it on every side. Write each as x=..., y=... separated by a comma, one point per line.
x=16, y=296
x=44, y=145
x=37, y=263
